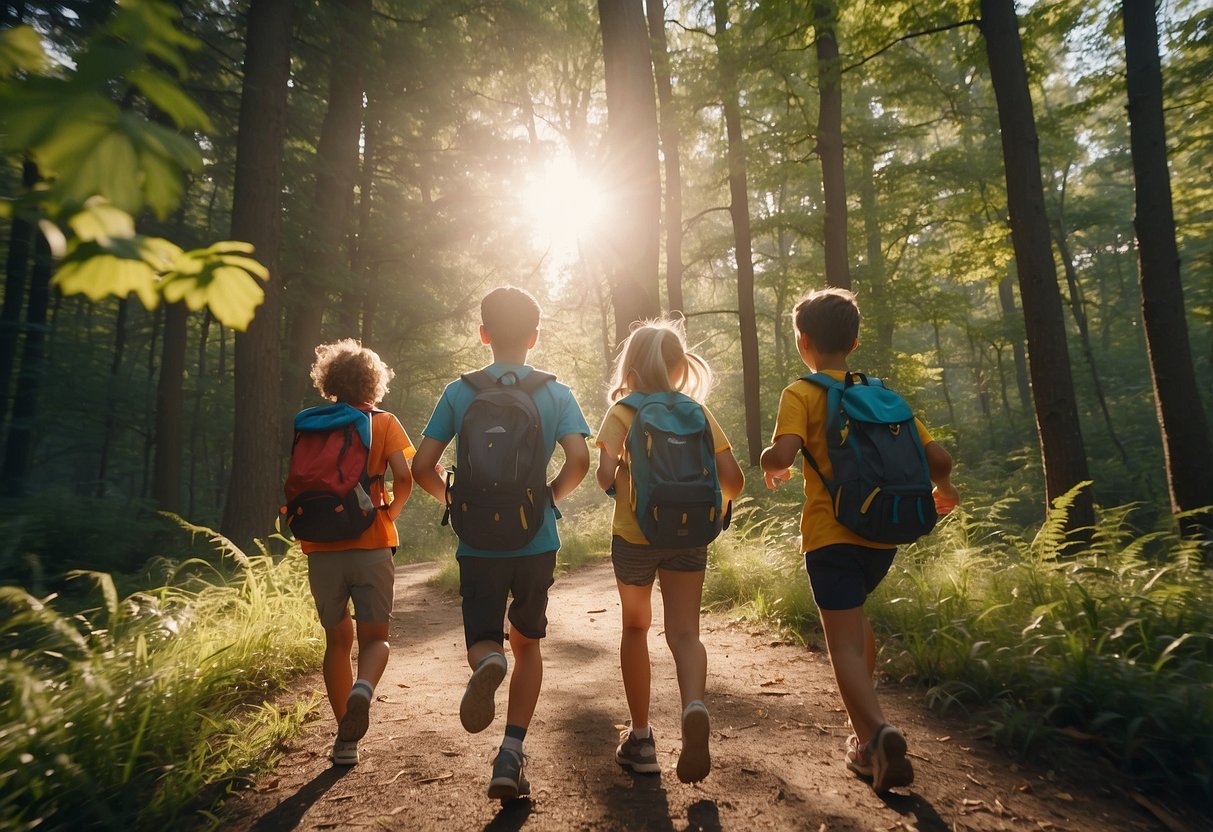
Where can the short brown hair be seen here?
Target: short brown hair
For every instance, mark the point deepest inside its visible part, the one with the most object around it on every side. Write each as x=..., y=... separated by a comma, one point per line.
x=346, y=371
x=510, y=315
x=830, y=317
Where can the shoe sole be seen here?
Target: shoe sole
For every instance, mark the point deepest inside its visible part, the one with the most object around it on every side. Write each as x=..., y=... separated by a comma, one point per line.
x=344, y=761
x=356, y=720
x=477, y=707
x=638, y=767
x=506, y=789
x=890, y=766
x=695, y=761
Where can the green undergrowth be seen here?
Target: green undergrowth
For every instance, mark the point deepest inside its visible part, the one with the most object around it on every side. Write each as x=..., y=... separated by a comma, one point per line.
x=147, y=707
x=1106, y=646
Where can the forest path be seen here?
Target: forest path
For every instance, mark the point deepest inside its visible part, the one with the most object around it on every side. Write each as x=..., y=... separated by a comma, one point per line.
x=777, y=738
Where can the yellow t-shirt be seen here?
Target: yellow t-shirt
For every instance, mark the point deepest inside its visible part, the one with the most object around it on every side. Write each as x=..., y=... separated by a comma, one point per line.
x=612, y=437
x=387, y=437
x=802, y=413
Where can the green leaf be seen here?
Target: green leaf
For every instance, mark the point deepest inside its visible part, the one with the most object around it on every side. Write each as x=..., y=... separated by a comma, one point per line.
x=20, y=50
x=231, y=291
x=110, y=168
x=97, y=274
x=100, y=221
x=165, y=94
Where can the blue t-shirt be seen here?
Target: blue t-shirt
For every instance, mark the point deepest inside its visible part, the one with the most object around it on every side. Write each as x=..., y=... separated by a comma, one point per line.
x=560, y=415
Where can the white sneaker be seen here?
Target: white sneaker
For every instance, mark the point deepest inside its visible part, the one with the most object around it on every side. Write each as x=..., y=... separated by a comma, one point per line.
x=345, y=753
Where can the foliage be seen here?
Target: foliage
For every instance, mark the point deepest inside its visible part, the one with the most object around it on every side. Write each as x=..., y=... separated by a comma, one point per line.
x=150, y=705
x=101, y=162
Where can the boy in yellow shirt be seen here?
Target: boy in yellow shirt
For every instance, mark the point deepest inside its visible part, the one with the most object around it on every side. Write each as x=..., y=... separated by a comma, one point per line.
x=843, y=567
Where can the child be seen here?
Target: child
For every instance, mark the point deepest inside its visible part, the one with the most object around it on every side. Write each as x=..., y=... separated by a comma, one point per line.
x=654, y=359
x=360, y=569
x=487, y=578
x=843, y=568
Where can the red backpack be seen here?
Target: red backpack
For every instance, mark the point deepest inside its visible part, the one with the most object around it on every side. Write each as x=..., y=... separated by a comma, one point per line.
x=329, y=490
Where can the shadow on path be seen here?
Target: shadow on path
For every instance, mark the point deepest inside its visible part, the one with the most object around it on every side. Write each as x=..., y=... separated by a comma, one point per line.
x=926, y=819
x=289, y=813
x=512, y=815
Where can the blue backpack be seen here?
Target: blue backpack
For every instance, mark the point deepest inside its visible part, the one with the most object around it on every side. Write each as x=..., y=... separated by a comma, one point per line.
x=881, y=488
x=675, y=488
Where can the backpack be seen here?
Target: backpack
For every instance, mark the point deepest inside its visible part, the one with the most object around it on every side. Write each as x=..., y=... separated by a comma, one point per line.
x=328, y=487
x=497, y=494
x=881, y=488
x=675, y=489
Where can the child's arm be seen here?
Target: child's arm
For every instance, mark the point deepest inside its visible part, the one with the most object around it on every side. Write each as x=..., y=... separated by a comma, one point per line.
x=402, y=483
x=939, y=466
x=576, y=465
x=732, y=480
x=776, y=460
x=428, y=471
x=608, y=469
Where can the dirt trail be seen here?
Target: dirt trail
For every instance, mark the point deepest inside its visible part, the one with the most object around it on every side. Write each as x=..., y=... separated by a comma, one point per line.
x=777, y=738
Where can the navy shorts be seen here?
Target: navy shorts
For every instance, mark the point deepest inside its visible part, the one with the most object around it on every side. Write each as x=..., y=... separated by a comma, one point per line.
x=844, y=574
x=485, y=584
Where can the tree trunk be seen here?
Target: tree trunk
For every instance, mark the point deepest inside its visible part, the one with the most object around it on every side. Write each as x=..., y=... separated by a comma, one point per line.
x=633, y=235
x=111, y=418
x=255, y=484
x=1063, y=453
x=829, y=143
x=197, y=435
x=880, y=309
x=169, y=433
x=1010, y=313
x=1187, y=445
x=670, y=138
x=739, y=210
x=16, y=276
x=19, y=447
x=336, y=172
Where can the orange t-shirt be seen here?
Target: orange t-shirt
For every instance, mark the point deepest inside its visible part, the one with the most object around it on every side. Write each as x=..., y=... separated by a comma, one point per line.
x=387, y=437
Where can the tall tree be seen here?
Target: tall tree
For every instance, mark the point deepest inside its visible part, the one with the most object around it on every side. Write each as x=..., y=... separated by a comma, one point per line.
x=829, y=143
x=336, y=172
x=739, y=210
x=255, y=484
x=631, y=164
x=19, y=446
x=1187, y=445
x=168, y=466
x=670, y=137
x=1062, y=450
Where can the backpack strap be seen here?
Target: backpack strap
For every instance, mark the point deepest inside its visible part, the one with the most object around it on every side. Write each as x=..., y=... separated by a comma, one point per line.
x=484, y=380
x=480, y=380
x=533, y=381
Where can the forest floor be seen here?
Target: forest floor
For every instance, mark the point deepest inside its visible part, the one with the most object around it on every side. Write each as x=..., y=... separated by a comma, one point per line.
x=777, y=742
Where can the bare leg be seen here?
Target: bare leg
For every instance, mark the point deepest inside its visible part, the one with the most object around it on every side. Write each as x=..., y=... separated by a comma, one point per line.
x=526, y=679
x=373, y=651
x=338, y=674
x=637, y=603
x=849, y=639
x=681, y=593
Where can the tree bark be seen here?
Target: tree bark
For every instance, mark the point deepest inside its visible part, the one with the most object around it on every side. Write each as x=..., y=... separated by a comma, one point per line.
x=829, y=143
x=1063, y=453
x=880, y=309
x=255, y=483
x=1187, y=445
x=633, y=235
x=670, y=136
x=1006, y=298
x=16, y=279
x=739, y=210
x=336, y=172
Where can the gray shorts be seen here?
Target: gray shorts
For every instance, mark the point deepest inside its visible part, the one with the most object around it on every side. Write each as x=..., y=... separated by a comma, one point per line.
x=368, y=576
x=637, y=565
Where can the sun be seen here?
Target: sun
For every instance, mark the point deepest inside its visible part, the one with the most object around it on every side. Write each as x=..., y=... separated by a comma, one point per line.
x=564, y=205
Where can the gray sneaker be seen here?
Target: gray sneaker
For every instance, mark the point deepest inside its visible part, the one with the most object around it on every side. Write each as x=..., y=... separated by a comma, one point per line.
x=695, y=761
x=476, y=708
x=508, y=781
x=640, y=755
x=357, y=718
x=890, y=765
x=345, y=753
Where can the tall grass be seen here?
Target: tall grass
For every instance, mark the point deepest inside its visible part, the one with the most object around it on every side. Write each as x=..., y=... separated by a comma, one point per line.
x=1109, y=645
x=150, y=705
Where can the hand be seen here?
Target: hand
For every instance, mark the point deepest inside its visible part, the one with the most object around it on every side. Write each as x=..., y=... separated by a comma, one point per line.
x=775, y=478
x=946, y=498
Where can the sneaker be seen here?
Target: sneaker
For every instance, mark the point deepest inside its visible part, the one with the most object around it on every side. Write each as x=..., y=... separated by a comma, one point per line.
x=695, y=761
x=890, y=766
x=640, y=755
x=476, y=709
x=858, y=758
x=508, y=780
x=353, y=725
x=345, y=753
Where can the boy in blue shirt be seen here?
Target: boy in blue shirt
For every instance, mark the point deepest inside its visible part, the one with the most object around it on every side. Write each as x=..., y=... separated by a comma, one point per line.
x=510, y=328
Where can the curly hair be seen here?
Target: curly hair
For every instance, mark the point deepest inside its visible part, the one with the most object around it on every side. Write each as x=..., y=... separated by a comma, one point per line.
x=346, y=371
x=654, y=358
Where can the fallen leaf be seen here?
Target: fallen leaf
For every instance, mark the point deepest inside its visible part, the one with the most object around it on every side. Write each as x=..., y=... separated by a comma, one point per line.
x=1065, y=796
x=401, y=685
x=445, y=776
x=595, y=612
x=942, y=739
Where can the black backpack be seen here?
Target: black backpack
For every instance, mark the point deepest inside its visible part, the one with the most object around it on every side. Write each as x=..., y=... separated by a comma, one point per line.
x=881, y=488
x=497, y=494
